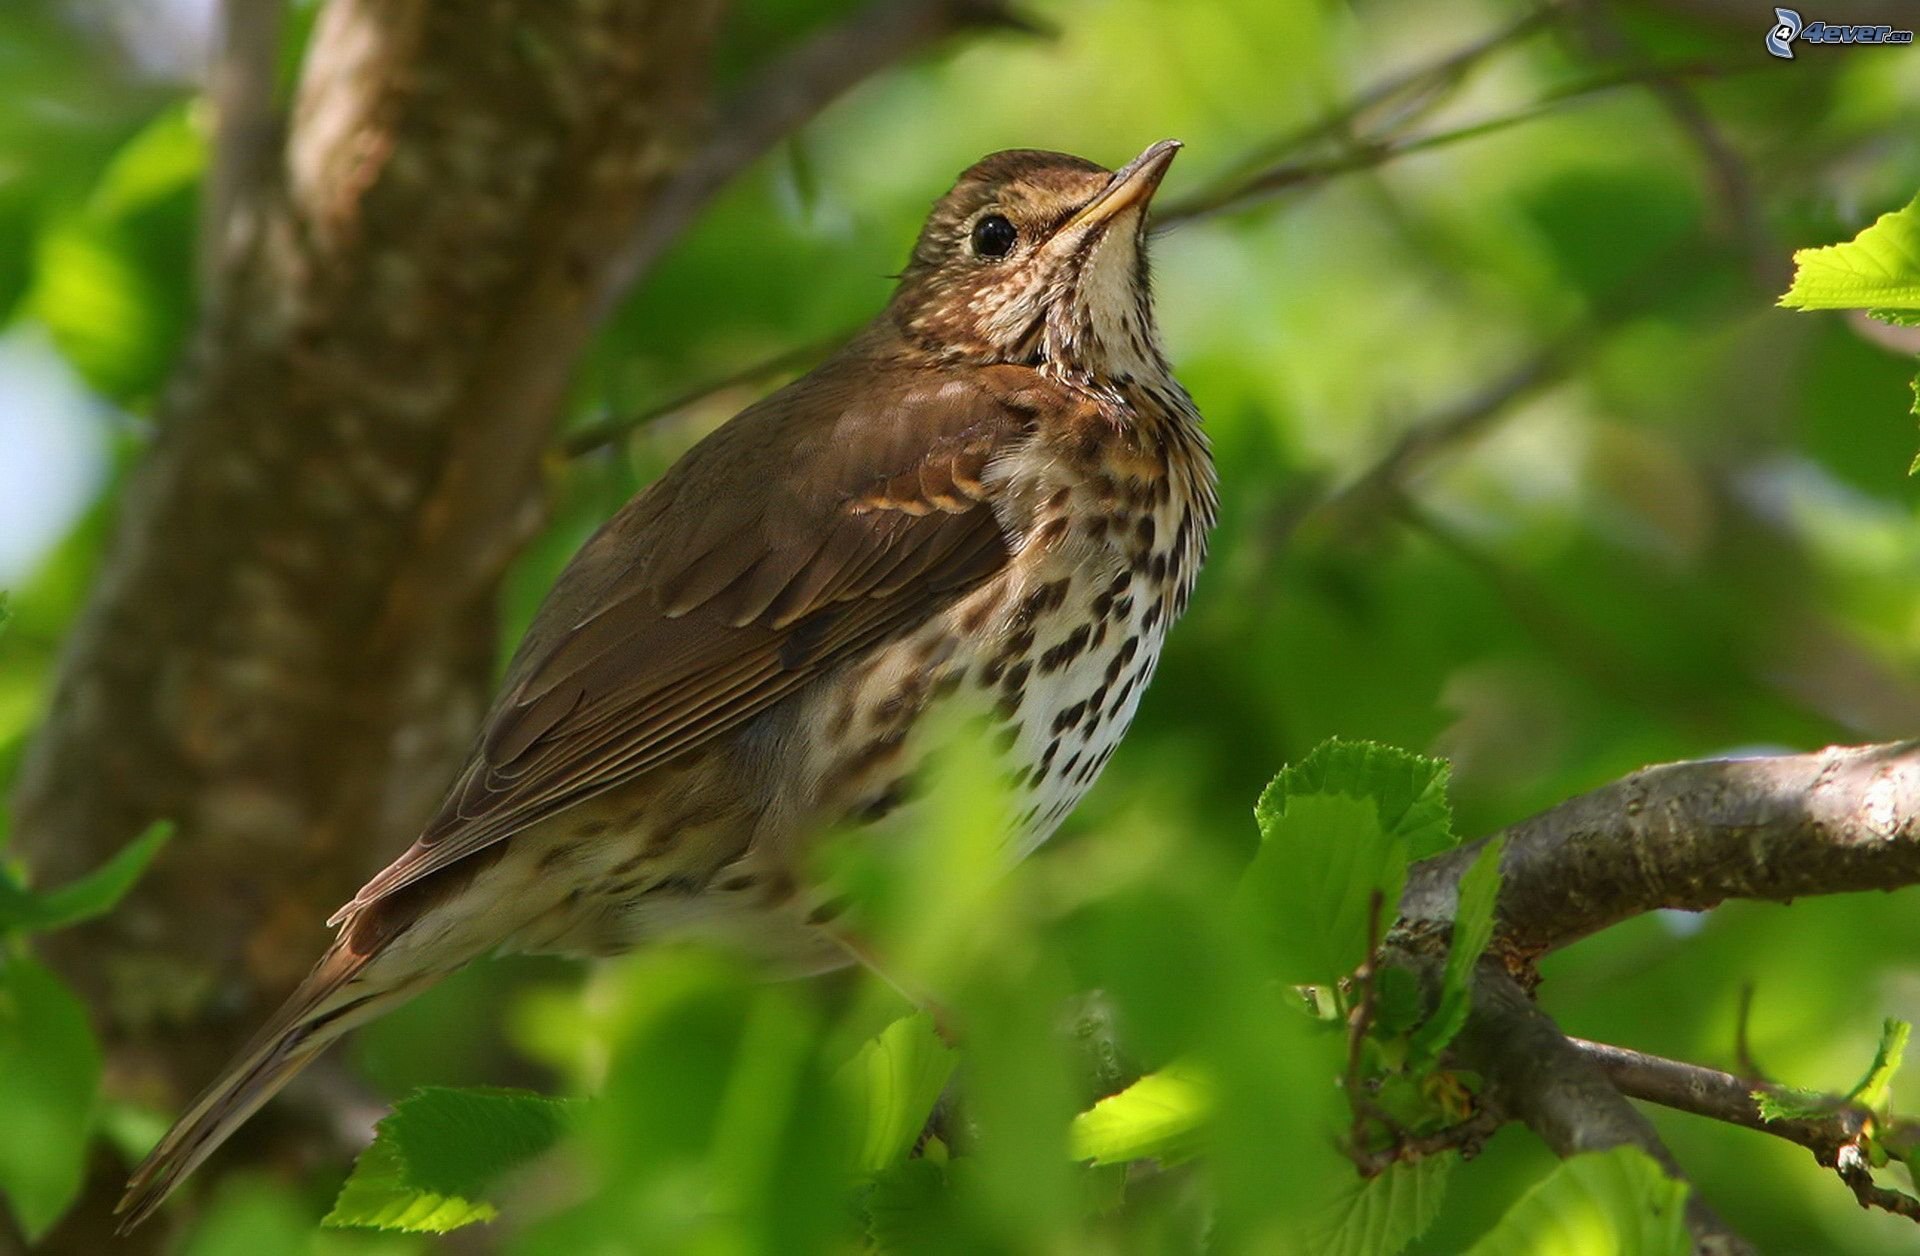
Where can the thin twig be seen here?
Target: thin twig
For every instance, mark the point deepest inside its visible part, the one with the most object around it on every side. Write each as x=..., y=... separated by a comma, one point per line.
x=1837, y=1133
x=1368, y=154
x=1423, y=87
x=1729, y=183
x=1750, y=1069
x=1536, y=1074
x=787, y=94
x=611, y=431
x=1201, y=205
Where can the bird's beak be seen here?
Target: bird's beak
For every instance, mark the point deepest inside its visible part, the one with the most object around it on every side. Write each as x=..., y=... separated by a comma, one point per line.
x=1132, y=184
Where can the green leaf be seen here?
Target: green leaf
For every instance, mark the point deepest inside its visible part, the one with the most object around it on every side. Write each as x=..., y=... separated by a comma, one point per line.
x=1338, y=827
x=1879, y=268
x=1380, y=1216
x=1785, y=1104
x=1472, y=930
x=892, y=1083
x=1161, y=1116
x=1606, y=1203
x=1876, y=1088
x=95, y=894
x=907, y=1209
x=49, y=1079
x=1409, y=790
x=439, y=1150
x=1310, y=889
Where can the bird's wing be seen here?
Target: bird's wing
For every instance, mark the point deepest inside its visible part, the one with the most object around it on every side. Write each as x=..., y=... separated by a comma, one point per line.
x=839, y=512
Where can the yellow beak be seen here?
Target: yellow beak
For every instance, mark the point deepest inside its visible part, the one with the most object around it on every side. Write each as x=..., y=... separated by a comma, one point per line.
x=1132, y=184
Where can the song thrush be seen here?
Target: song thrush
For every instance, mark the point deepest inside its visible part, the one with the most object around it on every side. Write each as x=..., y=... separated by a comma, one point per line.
x=996, y=493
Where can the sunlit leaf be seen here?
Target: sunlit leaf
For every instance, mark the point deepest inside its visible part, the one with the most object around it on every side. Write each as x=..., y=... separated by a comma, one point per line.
x=1311, y=890
x=1607, y=1203
x=1408, y=790
x=892, y=1084
x=438, y=1152
x=1876, y=1088
x=92, y=895
x=49, y=1079
x=1162, y=1116
x=1879, y=268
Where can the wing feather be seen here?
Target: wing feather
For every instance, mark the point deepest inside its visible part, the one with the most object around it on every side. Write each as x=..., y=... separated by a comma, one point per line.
x=839, y=512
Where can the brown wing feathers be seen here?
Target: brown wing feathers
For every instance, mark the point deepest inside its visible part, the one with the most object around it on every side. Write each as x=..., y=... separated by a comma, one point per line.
x=708, y=606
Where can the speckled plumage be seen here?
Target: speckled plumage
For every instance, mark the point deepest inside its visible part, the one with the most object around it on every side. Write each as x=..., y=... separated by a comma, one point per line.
x=996, y=498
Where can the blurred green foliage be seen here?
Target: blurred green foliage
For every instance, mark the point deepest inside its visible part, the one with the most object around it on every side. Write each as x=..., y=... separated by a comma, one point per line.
x=1690, y=534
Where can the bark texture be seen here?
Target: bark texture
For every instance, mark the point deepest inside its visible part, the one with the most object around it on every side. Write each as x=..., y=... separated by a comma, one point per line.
x=288, y=645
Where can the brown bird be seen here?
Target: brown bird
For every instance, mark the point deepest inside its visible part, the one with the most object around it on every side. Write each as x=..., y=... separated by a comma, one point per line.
x=996, y=495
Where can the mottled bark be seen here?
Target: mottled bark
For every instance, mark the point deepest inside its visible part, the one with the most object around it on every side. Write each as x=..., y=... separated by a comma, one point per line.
x=1691, y=836
x=287, y=646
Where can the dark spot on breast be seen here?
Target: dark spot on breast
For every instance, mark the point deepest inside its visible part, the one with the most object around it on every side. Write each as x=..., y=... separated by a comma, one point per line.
x=1152, y=616
x=1053, y=748
x=1065, y=652
x=1048, y=597
x=1069, y=717
x=1050, y=532
x=1123, y=608
x=886, y=802
x=1157, y=570
x=1068, y=766
x=1143, y=531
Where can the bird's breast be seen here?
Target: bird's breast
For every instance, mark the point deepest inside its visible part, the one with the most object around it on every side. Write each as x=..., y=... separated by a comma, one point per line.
x=1049, y=658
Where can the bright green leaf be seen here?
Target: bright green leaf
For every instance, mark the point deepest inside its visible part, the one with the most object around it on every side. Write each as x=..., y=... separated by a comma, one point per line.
x=1380, y=1216
x=1606, y=1203
x=1784, y=1104
x=1876, y=1088
x=49, y=1078
x=165, y=158
x=1161, y=1116
x=1309, y=891
x=1409, y=790
x=92, y=895
x=438, y=1152
x=893, y=1083
x=1472, y=930
x=1880, y=267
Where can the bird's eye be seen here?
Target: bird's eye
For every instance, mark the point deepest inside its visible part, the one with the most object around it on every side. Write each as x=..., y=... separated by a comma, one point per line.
x=994, y=236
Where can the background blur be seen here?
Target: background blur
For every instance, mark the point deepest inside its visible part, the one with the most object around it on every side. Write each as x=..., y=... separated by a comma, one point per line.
x=1520, y=465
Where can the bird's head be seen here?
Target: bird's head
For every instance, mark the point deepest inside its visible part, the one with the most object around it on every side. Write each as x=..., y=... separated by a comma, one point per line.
x=1039, y=258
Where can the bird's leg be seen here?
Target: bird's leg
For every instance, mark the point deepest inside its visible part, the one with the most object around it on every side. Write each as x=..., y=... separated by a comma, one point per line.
x=869, y=958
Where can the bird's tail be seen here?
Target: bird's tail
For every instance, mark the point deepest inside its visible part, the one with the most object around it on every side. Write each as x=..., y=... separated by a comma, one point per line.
x=344, y=990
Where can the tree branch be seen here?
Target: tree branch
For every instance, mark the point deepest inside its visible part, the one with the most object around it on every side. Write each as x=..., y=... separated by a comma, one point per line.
x=787, y=94
x=1692, y=835
x=1537, y=1075
x=1836, y=1136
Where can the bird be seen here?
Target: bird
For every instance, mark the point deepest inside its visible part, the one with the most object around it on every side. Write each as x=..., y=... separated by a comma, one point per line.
x=995, y=498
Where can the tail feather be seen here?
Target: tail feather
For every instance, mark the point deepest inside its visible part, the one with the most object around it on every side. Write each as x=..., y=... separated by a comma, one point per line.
x=339, y=994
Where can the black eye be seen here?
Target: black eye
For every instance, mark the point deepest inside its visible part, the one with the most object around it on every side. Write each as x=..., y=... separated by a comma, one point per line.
x=994, y=236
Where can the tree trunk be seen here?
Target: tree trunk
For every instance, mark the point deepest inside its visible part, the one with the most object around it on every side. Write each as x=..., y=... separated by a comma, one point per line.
x=288, y=645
